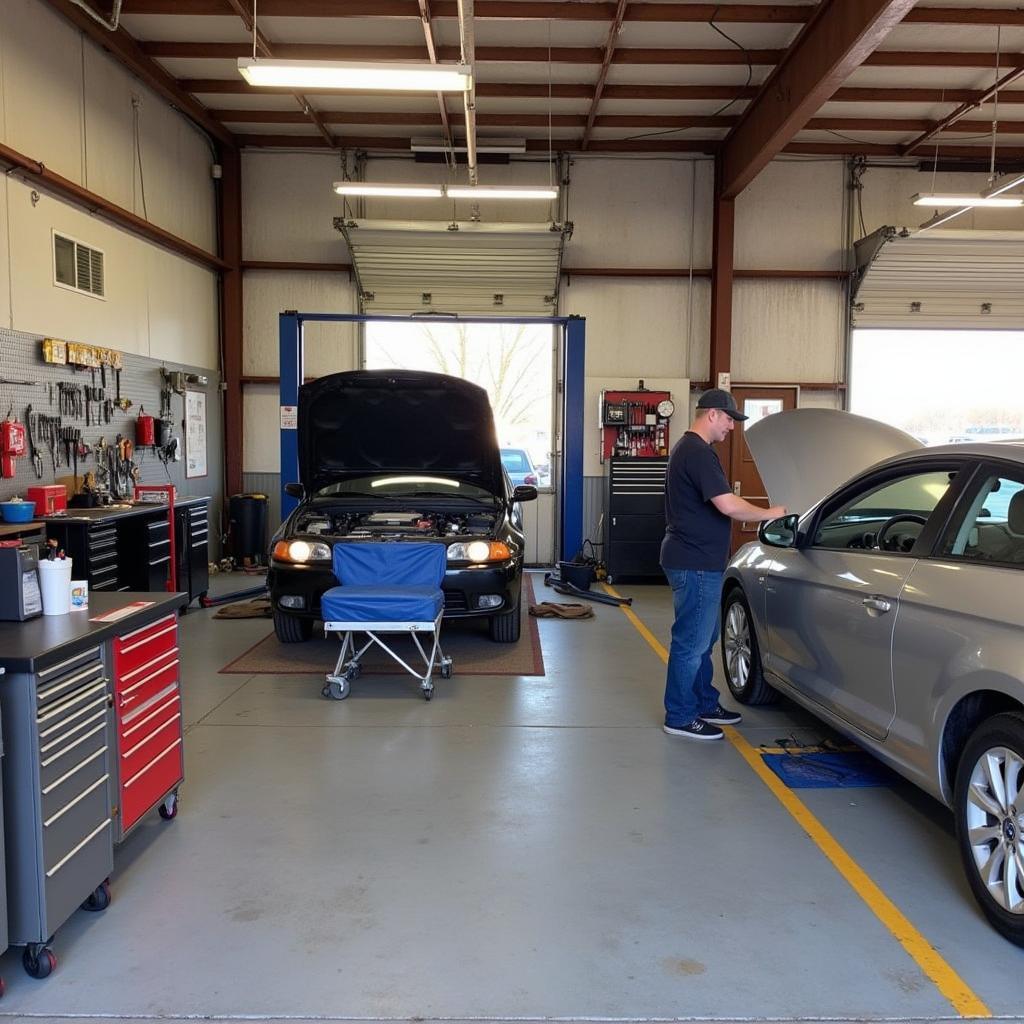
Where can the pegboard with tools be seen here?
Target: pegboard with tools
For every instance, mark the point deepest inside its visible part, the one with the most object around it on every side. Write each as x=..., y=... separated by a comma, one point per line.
x=77, y=426
x=635, y=424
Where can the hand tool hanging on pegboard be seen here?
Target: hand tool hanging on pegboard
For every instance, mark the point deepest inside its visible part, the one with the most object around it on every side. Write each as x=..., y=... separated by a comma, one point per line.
x=32, y=426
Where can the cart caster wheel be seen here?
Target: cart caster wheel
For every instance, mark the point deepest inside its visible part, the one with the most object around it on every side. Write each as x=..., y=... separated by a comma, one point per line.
x=353, y=672
x=337, y=688
x=428, y=694
x=446, y=668
x=168, y=810
x=38, y=964
x=99, y=898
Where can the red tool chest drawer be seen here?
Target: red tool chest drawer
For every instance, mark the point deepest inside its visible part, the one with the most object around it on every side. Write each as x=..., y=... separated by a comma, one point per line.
x=142, y=645
x=147, y=702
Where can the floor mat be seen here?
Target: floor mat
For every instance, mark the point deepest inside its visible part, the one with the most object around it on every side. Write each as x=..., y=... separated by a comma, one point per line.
x=467, y=643
x=853, y=770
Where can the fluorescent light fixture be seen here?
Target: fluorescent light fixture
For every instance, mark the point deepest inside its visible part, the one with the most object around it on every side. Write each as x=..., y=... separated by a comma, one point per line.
x=331, y=74
x=362, y=188
x=399, y=191
x=965, y=199
x=501, y=192
x=425, y=145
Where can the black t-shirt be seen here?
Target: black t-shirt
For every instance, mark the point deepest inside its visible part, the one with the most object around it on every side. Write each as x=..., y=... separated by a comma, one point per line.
x=696, y=533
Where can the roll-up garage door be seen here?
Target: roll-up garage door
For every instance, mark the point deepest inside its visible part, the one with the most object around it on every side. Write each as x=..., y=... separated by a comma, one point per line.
x=463, y=267
x=936, y=280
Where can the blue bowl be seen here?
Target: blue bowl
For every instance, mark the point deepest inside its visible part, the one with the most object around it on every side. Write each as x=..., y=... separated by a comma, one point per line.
x=17, y=511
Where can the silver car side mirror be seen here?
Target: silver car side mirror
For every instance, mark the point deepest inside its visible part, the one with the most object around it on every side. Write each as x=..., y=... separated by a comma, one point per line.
x=779, y=533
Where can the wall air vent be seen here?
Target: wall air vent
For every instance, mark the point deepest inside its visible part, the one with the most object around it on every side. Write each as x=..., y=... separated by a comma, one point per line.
x=78, y=266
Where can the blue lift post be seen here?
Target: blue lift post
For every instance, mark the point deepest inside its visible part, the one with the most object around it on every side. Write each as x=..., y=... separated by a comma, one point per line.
x=292, y=361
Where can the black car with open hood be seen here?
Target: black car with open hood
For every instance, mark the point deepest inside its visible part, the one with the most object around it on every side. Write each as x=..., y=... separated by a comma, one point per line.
x=387, y=456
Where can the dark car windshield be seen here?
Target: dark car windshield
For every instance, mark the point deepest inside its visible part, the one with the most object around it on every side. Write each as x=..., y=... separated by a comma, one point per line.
x=390, y=485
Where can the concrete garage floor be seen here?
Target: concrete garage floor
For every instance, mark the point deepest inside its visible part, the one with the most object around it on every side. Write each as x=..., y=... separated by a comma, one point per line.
x=518, y=848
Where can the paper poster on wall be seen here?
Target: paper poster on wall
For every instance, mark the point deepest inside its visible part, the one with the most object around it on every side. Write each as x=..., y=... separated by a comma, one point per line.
x=195, y=433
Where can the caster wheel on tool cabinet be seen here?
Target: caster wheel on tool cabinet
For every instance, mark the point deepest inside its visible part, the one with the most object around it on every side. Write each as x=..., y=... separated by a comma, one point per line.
x=98, y=899
x=168, y=810
x=336, y=689
x=38, y=964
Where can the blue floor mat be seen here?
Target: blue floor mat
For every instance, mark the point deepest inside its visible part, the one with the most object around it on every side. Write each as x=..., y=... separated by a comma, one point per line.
x=853, y=770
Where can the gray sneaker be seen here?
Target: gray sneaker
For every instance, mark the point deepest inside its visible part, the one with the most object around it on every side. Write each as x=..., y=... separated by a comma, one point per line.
x=698, y=729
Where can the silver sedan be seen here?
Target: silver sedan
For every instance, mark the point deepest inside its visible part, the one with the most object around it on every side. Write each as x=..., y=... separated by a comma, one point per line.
x=893, y=610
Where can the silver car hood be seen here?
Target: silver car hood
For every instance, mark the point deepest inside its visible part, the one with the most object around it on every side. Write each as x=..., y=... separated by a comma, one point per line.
x=804, y=454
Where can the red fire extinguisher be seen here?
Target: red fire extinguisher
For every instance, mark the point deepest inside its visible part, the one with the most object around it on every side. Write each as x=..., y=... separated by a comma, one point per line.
x=12, y=445
x=145, y=429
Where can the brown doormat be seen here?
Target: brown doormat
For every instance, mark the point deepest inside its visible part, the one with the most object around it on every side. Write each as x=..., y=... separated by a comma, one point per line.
x=561, y=610
x=258, y=609
x=465, y=641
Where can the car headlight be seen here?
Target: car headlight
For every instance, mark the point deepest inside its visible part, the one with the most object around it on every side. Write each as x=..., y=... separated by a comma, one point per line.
x=478, y=551
x=302, y=551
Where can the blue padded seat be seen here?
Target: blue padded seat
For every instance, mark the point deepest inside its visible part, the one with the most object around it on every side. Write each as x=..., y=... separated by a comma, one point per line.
x=386, y=583
x=381, y=604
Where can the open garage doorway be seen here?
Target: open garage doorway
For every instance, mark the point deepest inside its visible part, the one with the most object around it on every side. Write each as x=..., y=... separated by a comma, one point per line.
x=515, y=364
x=942, y=386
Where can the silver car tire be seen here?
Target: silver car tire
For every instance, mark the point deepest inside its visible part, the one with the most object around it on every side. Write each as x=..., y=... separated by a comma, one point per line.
x=989, y=806
x=741, y=655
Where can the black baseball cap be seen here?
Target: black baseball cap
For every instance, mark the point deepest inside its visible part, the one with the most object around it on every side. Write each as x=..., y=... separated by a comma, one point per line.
x=717, y=398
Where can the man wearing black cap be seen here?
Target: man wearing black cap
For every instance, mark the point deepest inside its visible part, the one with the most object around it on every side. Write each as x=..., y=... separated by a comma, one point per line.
x=699, y=509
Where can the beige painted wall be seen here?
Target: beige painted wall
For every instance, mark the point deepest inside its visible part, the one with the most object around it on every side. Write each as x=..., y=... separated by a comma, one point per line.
x=67, y=104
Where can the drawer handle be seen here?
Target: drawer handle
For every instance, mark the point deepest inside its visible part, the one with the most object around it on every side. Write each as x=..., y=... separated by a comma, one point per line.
x=156, y=731
x=42, y=696
x=78, y=799
x=78, y=767
x=149, y=625
x=142, y=771
x=152, y=636
x=200, y=544
x=88, y=839
x=152, y=714
x=71, y=746
x=81, y=725
x=149, y=664
x=125, y=699
x=81, y=711
x=95, y=652
x=160, y=561
x=159, y=543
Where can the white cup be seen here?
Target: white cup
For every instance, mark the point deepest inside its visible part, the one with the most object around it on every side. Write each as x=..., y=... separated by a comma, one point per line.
x=55, y=584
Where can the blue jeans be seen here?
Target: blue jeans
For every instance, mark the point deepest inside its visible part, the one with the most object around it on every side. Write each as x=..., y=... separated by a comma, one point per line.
x=696, y=595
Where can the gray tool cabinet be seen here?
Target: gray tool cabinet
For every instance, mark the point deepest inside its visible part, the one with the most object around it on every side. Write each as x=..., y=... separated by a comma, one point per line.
x=60, y=769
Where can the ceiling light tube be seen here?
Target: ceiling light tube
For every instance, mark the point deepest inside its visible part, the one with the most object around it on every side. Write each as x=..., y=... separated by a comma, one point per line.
x=966, y=199
x=364, y=188
x=502, y=192
x=330, y=74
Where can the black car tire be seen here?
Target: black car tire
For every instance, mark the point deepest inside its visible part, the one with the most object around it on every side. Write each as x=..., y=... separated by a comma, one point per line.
x=291, y=629
x=505, y=628
x=1001, y=732
x=736, y=617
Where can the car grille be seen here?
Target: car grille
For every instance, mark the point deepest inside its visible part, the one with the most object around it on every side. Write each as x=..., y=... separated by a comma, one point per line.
x=455, y=601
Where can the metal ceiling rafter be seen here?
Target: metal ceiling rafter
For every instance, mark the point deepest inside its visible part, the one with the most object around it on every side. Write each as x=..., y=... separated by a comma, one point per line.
x=840, y=37
x=467, y=54
x=262, y=44
x=609, y=50
x=572, y=10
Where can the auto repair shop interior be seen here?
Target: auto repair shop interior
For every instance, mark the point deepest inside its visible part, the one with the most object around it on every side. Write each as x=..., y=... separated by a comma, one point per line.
x=387, y=315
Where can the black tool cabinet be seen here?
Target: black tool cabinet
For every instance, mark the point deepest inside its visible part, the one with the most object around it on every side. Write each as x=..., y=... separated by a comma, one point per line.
x=130, y=549
x=634, y=516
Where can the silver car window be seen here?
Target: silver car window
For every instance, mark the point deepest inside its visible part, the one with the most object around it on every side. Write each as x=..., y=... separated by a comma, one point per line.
x=993, y=529
x=856, y=522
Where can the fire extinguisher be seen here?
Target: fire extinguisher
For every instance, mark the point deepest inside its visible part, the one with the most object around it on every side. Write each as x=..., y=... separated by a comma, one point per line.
x=145, y=429
x=12, y=445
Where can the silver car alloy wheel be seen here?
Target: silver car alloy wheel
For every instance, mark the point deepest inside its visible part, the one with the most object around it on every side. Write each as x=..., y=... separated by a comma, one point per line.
x=737, y=645
x=995, y=820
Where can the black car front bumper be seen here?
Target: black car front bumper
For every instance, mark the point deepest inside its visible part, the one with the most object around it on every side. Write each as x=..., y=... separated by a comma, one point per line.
x=463, y=586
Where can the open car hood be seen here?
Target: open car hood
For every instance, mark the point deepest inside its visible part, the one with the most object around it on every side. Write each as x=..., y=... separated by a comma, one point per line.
x=805, y=454
x=396, y=421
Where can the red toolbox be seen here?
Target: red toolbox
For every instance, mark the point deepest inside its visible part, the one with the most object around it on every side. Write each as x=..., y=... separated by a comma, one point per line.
x=49, y=498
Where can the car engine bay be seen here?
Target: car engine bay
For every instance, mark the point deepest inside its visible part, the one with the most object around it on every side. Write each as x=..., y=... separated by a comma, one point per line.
x=395, y=525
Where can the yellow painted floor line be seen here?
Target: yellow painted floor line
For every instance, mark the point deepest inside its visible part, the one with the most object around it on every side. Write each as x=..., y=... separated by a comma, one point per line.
x=946, y=980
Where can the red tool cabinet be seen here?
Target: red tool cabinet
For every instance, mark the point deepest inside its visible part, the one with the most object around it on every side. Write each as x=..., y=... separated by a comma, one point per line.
x=147, y=709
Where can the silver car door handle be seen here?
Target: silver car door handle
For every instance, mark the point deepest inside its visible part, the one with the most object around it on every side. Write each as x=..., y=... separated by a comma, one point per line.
x=878, y=604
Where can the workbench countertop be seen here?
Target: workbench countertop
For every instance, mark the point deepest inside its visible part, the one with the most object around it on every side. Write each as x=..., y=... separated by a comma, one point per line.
x=32, y=645
x=101, y=514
